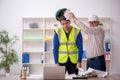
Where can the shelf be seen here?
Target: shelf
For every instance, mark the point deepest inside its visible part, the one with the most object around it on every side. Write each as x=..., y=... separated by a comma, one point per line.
x=48, y=38
x=48, y=52
x=51, y=23
x=30, y=29
x=40, y=52
x=32, y=63
x=32, y=40
x=49, y=30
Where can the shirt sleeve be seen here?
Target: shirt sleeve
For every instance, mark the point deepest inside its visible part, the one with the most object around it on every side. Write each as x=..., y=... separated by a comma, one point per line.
x=79, y=43
x=55, y=47
x=86, y=29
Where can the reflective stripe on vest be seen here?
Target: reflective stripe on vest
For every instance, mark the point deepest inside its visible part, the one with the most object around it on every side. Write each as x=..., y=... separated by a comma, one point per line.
x=67, y=47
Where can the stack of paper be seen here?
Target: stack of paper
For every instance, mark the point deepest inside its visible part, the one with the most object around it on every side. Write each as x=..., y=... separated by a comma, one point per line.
x=92, y=72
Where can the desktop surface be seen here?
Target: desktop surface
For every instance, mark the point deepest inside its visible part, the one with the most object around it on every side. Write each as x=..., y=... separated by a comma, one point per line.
x=16, y=77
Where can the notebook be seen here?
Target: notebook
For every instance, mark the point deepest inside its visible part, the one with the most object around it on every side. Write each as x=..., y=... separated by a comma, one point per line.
x=54, y=72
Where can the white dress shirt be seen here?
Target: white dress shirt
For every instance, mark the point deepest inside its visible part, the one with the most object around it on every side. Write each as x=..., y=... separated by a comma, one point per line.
x=95, y=43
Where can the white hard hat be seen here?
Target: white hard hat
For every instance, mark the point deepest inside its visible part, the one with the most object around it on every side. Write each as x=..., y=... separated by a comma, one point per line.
x=93, y=18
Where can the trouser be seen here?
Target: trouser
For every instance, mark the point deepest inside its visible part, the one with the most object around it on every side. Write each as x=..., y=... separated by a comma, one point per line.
x=70, y=67
x=97, y=63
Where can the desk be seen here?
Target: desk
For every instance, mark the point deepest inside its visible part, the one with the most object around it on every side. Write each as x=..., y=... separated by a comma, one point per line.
x=16, y=77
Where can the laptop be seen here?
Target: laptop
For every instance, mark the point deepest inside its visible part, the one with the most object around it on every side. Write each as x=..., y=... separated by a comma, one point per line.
x=54, y=72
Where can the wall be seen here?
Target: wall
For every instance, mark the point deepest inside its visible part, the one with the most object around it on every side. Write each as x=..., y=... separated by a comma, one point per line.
x=12, y=12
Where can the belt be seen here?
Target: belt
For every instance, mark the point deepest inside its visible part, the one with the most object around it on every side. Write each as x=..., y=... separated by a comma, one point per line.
x=96, y=57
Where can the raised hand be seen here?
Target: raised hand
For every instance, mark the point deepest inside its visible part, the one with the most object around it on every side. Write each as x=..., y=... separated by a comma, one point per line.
x=69, y=15
x=66, y=14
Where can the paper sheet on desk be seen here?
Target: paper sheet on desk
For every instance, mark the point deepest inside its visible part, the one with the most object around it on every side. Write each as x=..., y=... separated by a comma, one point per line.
x=101, y=73
x=69, y=76
x=92, y=71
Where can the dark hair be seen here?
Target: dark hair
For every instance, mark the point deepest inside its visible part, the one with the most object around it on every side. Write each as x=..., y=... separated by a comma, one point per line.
x=62, y=18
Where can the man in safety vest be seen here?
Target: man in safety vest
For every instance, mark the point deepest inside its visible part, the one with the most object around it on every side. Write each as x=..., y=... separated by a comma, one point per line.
x=67, y=44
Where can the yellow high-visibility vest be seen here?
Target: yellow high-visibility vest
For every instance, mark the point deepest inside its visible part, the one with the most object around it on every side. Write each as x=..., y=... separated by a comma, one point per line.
x=67, y=47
